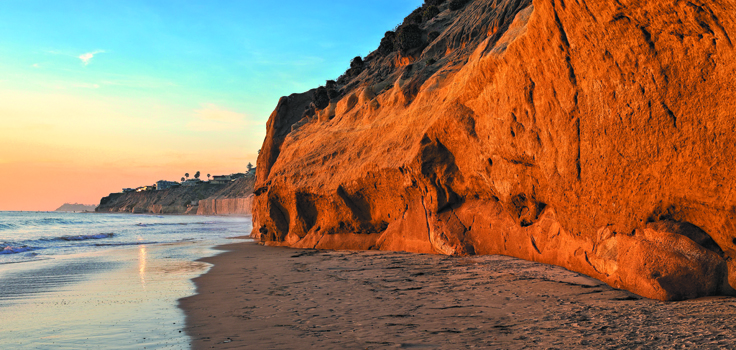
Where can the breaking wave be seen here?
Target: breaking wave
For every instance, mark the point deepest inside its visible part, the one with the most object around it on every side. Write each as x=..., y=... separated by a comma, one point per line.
x=45, y=222
x=160, y=224
x=174, y=223
x=14, y=250
x=86, y=237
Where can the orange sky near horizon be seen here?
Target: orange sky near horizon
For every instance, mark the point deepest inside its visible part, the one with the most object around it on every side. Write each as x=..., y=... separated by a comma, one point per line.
x=57, y=148
x=46, y=187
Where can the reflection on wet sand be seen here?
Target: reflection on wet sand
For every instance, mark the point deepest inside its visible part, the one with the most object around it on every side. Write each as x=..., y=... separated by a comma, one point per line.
x=124, y=297
x=142, y=264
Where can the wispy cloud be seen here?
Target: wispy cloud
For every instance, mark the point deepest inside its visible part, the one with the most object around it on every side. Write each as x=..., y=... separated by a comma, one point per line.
x=35, y=65
x=86, y=57
x=213, y=118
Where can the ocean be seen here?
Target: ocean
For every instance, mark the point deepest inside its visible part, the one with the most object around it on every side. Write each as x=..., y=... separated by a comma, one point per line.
x=102, y=281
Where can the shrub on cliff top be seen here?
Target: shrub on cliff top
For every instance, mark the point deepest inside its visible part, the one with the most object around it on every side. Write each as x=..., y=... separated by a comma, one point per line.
x=356, y=62
x=331, y=87
x=333, y=94
x=430, y=12
x=356, y=66
x=408, y=37
x=457, y=4
x=433, y=2
x=342, y=79
x=415, y=17
x=387, y=43
x=321, y=98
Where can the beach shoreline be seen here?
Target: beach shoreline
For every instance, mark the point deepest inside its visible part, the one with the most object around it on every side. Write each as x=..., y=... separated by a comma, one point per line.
x=280, y=298
x=125, y=296
x=71, y=281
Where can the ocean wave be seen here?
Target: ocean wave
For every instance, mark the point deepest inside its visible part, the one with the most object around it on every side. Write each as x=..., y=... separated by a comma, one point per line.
x=213, y=229
x=54, y=221
x=14, y=250
x=6, y=226
x=86, y=237
x=140, y=224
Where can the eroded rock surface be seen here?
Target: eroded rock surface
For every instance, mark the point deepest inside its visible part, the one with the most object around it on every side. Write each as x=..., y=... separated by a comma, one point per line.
x=594, y=135
x=225, y=206
x=235, y=199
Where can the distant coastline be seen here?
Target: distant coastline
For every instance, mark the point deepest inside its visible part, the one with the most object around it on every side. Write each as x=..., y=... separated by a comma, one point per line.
x=76, y=208
x=231, y=199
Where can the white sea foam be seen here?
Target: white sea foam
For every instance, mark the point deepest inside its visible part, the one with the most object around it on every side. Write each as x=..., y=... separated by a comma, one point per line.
x=15, y=250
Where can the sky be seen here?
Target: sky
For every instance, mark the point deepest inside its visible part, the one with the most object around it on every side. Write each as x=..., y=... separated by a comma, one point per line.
x=100, y=95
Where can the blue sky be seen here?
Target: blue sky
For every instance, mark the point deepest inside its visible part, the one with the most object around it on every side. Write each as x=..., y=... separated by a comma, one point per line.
x=154, y=88
x=244, y=54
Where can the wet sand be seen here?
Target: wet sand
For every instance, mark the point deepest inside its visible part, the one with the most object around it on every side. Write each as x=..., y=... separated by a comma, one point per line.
x=259, y=297
x=114, y=299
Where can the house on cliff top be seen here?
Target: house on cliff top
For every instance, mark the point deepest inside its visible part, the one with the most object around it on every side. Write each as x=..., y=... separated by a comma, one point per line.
x=165, y=185
x=191, y=182
x=221, y=179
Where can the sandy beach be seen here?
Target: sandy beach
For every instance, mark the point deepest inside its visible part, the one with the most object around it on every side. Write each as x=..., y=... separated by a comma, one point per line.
x=259, y=297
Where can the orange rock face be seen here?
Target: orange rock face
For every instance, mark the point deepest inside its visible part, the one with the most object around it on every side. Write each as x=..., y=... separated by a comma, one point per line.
x=594, y=135
x=225, y=206
x=234, y=199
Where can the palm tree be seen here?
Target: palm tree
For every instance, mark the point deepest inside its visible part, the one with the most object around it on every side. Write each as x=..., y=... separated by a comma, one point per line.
x=182, y=179
x=187, y=175
x=208, y=177
x=196, y=176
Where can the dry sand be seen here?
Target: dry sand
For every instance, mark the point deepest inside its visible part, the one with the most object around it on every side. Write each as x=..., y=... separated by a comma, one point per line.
x=259, y=297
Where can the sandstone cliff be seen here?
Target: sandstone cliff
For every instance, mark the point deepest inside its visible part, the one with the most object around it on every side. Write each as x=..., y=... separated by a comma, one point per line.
x=183, y=200
x=171, y=201
x=594, y=135
x=234, y=199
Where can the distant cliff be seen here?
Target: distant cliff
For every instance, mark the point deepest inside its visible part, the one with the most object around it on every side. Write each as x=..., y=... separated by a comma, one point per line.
x=180, y=200
x=225, y=206
x=594, y=135
x=235, y=199
x=76, y=207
